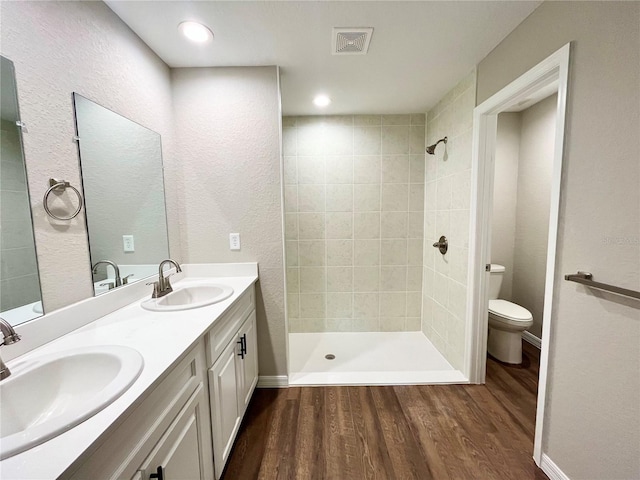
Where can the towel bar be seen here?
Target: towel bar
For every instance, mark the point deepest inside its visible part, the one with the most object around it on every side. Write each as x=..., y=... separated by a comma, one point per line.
x=586, y=278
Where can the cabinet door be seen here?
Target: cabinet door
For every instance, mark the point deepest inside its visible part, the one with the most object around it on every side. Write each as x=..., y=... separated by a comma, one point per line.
x=223, y=390
x=249, y=362
x=128, y=447
x=181, y=453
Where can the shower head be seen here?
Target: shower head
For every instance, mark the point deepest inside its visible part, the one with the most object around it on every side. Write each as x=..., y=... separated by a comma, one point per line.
x=431, y=149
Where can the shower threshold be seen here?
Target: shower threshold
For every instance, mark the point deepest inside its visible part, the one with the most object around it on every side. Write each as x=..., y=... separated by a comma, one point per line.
x=367, y=358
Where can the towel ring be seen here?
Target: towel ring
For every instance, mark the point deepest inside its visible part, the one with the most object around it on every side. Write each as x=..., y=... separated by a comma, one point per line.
x=60, y=186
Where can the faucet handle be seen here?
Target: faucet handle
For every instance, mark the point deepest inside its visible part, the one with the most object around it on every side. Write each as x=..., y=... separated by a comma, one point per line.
x=167, y=284
x=156, y=289
x=10, y=339
x=9, y=335
x=125, y=280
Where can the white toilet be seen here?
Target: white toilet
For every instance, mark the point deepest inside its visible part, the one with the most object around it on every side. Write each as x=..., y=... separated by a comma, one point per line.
x=507, y=321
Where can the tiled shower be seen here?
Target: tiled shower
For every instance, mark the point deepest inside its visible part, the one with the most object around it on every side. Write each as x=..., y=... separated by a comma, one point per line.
x=448, y=200
x=354, y=216
x=363, y=205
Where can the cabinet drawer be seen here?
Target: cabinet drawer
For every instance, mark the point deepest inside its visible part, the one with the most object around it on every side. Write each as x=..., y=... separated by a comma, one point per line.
x=123, y=450
x=226, y=326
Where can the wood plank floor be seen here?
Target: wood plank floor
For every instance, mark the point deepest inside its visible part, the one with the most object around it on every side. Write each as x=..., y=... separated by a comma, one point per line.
x=404, y=432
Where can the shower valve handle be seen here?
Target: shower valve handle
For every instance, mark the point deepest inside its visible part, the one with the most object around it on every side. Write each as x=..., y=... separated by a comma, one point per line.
x=442, y=244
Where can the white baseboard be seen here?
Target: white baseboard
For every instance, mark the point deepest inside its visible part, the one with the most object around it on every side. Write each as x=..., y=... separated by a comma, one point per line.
x=532, y=339
x=551, y=469
x=274, y=381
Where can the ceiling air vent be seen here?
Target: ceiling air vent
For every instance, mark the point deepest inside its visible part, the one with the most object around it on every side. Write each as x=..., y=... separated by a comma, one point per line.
x=351, y=41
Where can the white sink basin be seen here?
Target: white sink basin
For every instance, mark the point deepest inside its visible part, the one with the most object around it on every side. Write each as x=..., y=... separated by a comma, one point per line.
x=189, y=296
x=47, y=395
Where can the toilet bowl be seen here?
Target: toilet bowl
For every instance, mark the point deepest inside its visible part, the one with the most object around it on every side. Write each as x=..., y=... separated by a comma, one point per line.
x=507, y=321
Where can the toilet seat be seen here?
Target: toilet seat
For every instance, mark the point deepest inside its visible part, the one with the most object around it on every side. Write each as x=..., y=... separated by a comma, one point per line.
x=510, y=313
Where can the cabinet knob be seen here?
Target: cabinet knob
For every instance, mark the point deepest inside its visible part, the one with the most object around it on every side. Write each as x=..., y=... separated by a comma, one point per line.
x=159, y=474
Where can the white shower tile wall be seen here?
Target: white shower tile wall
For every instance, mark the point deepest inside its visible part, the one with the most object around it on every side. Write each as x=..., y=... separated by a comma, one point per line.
x=446, y=212
x=354, y=201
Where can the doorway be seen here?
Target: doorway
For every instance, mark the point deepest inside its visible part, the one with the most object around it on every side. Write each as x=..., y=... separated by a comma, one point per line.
x=548, y=77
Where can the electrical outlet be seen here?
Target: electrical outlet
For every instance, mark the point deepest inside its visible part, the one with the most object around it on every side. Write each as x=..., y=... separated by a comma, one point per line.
x=127, y=243
x=234, y=241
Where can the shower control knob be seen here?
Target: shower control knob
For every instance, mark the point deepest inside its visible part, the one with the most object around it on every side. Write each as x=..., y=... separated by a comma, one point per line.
x=442, y=244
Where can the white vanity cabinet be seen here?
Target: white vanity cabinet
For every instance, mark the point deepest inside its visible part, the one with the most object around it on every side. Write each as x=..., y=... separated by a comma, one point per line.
x=188, y=422
x=168, y=434
x=233, y=375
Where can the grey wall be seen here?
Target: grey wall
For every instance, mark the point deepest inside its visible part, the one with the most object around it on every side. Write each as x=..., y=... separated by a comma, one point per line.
x=59, y=48
x=19, y=283
x=228, y=132
x=354, y=197
x=505, y=197
x=592, y=420
x=521, y=202
x=532, y=216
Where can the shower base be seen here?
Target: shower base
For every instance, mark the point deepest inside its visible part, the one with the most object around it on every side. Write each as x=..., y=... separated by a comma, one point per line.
x=367, y=358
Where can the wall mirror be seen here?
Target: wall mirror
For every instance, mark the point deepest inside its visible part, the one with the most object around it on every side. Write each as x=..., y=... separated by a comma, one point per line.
x=20, y=296
x=123, y=185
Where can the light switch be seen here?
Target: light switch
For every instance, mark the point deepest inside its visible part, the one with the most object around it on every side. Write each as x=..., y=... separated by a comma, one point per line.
x=234, y=241
x=127, y=243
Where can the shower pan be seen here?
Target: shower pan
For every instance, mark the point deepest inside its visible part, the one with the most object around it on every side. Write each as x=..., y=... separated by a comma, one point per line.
x=367, y=358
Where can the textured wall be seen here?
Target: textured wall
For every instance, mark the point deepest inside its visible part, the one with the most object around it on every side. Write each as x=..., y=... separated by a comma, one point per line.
x=505, y=197
x=59, y=48
x=354, y=199
x=537, y=141
x=447, y=201
x=123, y=187
x=18, y=266
x=592, y=424
x=228, y=132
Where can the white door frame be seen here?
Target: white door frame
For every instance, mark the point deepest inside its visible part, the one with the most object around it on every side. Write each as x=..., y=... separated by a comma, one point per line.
x=555, y=68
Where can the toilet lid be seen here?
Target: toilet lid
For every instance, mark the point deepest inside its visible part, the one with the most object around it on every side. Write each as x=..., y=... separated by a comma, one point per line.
x=510, y=311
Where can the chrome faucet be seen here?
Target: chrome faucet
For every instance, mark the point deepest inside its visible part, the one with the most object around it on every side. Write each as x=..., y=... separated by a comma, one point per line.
x=9, y=336
x=163, y=286
x=94, y=269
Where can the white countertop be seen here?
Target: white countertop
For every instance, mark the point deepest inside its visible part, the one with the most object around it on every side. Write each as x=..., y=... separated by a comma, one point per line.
x=162, y=338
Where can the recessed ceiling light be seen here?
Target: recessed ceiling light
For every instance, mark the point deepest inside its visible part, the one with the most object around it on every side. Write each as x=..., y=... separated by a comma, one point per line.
x=321, y=101
x=196, y=32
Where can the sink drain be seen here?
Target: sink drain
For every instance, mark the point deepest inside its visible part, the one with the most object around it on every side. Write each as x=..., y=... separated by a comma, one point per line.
x=330, y=356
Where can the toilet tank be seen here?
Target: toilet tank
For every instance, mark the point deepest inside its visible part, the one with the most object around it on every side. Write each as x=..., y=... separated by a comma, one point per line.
x=495, y=280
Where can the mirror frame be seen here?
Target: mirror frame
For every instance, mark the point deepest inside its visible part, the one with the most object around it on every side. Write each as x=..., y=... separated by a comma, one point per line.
x=83, y=189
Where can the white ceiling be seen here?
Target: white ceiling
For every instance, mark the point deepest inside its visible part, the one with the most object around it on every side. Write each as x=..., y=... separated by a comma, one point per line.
x=418, y=51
